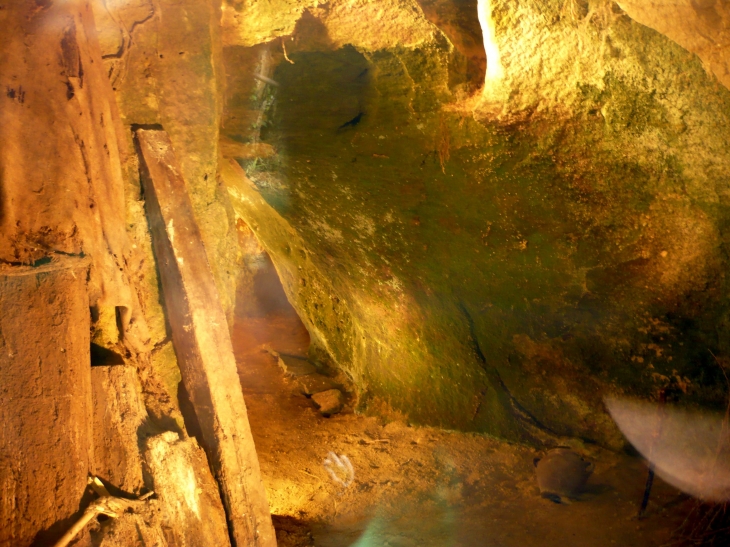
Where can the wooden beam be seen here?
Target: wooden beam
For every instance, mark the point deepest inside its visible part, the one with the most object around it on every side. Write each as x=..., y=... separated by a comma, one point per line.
x=202, y=342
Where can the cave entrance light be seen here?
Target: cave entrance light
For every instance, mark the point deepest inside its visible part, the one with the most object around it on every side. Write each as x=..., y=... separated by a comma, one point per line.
x=494, y=64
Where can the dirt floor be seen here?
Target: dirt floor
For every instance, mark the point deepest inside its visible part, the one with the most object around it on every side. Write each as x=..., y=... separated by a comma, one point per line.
x=419, y=486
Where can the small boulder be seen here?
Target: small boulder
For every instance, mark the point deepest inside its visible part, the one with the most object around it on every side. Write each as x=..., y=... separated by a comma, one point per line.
x=562, y=474
x=329, y=402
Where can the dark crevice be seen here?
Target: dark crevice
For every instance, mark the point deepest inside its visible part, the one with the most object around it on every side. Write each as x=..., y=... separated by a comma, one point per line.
x=104, y=357
x=127, y=40
x=41, y=261
x=148, y=126
x=159, y=345
x=522, y=415
x=473, y=338
x=520, y=411
x=123, y=317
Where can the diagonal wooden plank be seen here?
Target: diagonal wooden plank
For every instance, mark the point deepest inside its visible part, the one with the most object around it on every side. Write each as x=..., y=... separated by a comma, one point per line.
x=202, y=342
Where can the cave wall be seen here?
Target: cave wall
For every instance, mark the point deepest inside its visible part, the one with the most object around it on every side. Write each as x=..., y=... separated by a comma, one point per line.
x=498, y=260
x=164, y=65
x=493, y=257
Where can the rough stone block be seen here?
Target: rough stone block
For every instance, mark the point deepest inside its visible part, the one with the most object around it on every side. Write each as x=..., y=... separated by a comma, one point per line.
x=45, y=399
x=329, y=402
x=295, y=367
x=245, y=151
x=191, y=510
x=132, y=530
x=119, y=413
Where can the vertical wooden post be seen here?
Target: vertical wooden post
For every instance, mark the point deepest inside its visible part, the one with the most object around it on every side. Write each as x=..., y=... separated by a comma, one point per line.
x=202, y=342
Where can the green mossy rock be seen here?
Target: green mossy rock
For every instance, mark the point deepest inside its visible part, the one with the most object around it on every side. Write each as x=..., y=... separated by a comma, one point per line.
x=500, y=264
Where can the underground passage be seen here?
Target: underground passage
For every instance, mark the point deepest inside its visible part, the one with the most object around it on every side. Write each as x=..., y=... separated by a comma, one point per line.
x=364, y=273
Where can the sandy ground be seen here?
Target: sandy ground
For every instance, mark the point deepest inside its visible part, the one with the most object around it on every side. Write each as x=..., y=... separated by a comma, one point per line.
x=419, y=486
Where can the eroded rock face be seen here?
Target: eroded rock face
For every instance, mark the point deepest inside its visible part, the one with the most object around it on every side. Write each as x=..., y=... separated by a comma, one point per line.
x=66, y=167
x=496, y=262
x=251, y=23
x=702, y=27
x=328, y=402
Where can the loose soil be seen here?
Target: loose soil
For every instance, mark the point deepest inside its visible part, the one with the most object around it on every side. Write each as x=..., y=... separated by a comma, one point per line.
x=419, y=486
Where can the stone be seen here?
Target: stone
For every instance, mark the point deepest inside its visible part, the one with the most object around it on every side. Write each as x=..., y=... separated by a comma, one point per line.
x=165, y=65
x=562, y=474
x=202, y=342
x=311, y=384
x=119, y=418
x=304, y=282
x=138, y=529
x=46, y=440
x=249, y=23
x=295, y=366
x=367, y=25
x=328, y=402
x=191, y=509
x=164, y=363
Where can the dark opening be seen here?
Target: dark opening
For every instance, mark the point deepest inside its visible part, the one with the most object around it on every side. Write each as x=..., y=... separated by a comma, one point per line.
x=102, y=357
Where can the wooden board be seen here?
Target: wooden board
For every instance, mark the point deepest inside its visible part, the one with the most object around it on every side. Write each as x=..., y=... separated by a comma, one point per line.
x=202, y=342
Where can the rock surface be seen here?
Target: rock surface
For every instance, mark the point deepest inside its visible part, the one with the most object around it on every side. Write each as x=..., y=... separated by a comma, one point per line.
x=164, y=61
x=295, y=366
x=315, y=383
x=245, y=151
x=496, y=262
x=133, y=530
x=64, y=194
x=700, y=27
